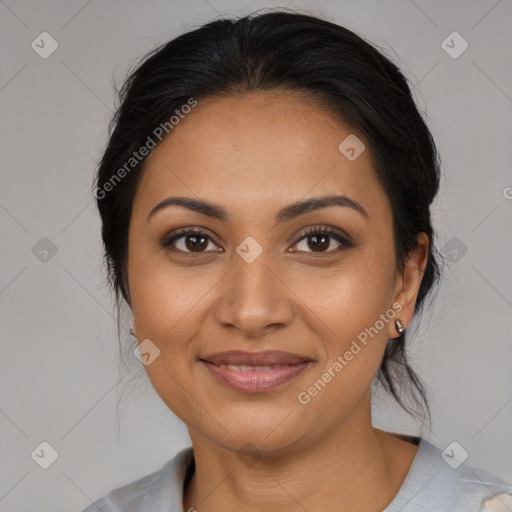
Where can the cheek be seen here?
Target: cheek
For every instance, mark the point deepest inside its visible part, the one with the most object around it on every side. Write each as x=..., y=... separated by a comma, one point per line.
x=349, y=302
x=166, y=310
x=163, y=294
x=168, y=313
x=353, y=336
x=350, y=297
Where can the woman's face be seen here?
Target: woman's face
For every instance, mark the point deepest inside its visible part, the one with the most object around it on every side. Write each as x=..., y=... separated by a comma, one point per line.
x=255, y=280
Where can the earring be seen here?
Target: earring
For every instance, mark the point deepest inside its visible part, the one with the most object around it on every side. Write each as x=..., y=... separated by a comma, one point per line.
x=399, y=327
x=132, y=332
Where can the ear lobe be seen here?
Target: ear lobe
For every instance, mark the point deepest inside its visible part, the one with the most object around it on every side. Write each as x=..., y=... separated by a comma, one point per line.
x=409, y=281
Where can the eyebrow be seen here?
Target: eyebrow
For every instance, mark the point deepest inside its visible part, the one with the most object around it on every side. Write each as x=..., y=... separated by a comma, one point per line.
x=287, y=213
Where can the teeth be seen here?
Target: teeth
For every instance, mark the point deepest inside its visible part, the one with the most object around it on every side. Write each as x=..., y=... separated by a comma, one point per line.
x=243, y=368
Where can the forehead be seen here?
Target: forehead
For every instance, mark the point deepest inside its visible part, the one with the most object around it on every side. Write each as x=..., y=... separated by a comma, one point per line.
x=259, y=148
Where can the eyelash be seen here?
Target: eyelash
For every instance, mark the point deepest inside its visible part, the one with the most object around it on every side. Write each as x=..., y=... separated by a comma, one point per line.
x=168, y=241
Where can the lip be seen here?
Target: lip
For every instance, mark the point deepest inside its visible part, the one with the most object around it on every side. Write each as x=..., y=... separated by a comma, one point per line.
x=265, y=358
x=235, y=369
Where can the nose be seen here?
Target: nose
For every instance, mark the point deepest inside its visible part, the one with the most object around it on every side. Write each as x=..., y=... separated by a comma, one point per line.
x=254, y=298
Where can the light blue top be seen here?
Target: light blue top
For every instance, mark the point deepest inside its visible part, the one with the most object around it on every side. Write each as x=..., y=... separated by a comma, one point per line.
x=431, y=485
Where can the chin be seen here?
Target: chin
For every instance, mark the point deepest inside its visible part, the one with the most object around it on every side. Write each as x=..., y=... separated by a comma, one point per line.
x=269, y=439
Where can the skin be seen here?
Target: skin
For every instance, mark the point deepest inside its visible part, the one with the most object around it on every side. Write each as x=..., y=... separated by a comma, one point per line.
x=254, y=154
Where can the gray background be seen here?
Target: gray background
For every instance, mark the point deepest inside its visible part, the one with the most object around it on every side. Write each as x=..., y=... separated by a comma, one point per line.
x=60, y=378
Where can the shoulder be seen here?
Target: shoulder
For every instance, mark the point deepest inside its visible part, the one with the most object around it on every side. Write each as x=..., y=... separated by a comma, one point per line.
x=146, y=493
x=438, y=481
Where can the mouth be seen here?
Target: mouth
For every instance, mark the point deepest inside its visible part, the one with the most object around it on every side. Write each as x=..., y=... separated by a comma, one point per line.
x=256, y=371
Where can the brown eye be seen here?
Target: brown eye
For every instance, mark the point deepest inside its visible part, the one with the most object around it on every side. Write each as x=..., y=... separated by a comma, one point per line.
x=188, y=240
x=320, y=241
x=195, y=242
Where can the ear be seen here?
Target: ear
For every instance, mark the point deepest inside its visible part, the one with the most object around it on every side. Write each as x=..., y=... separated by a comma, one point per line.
x=407, y=284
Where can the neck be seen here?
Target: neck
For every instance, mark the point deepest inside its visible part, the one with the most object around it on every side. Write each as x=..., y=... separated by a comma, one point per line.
x=353, y=467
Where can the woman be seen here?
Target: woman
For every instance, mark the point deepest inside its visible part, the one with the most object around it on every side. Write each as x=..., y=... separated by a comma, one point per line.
x=265, y=203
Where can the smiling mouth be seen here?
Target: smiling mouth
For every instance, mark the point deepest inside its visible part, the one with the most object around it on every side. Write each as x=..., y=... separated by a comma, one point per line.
x=251, y=372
